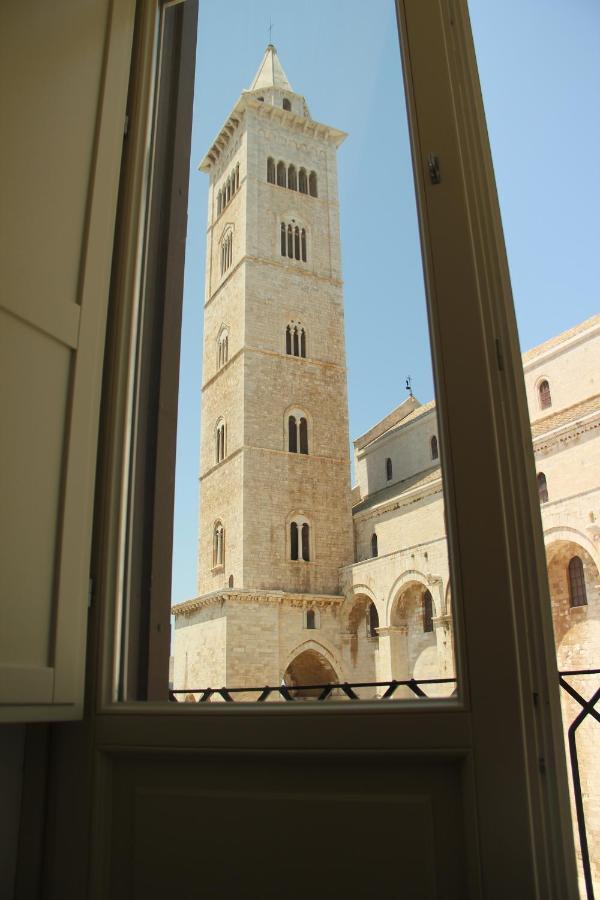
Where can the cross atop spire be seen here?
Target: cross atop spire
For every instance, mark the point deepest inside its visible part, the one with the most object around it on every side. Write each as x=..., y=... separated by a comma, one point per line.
x=270, y=72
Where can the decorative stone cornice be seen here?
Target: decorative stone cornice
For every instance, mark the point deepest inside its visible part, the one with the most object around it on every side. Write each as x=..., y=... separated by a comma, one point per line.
x=302, y=601
x=387, y=630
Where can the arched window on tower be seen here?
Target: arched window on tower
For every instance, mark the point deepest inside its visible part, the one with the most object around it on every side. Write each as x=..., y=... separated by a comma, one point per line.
x=281, y=179
x=544, y=395
x=219, y=203
x=302, y=182
x=226, y=250
x=293, y=241
x=299, y=531
x=292, y=178
x=222, y=348
x=218, y=545
x=374, y=548
x=237, y=176
x=271, y=170
x=220, y=441
x=434, y=447
x=295, y=340
x=542, y=487
x=297, y=433
x=427, y=611
x=311, y=619
x=576, y=576
x=312, y=183
x=388, y=469
x=286, y=104
x=372, y=621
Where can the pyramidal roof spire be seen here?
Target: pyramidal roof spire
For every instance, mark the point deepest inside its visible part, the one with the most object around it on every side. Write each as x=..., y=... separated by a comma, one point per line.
x=270, y=72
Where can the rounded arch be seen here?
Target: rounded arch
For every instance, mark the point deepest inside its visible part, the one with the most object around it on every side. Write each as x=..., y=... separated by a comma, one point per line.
x=576, y=625
x=294, y=338
x=222, y=346
x=575, y=536
x=398, y=588
x=220, y=439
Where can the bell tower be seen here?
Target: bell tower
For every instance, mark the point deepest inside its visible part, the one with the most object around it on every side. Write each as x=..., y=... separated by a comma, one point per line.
x=276, y=523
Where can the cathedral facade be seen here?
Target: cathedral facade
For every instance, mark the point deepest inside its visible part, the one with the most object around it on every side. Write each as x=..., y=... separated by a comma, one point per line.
x=301, y=579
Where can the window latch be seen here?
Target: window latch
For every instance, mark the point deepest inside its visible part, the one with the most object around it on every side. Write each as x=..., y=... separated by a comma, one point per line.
x=433, y=164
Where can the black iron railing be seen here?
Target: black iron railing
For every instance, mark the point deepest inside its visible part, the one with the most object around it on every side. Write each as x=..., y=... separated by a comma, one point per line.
x=317, y=691
x=588, y=708
x=348, y=690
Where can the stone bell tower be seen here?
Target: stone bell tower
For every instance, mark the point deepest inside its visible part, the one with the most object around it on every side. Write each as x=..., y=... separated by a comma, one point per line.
x=276, y=520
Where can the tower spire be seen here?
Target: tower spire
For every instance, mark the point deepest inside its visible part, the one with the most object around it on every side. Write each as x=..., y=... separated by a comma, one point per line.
x=270, y=72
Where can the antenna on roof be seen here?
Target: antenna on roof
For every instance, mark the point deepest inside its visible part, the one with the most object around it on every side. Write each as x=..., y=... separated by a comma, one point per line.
x=409, y=386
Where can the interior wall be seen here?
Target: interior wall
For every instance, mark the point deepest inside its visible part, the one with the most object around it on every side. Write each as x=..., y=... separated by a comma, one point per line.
x=12, y=747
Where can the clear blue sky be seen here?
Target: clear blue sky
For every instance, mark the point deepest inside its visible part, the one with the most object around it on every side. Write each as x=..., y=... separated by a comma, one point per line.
x=540, y=72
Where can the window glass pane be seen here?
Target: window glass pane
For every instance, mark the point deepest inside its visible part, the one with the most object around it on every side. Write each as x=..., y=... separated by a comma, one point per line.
x=323, y=507
x=541, y=118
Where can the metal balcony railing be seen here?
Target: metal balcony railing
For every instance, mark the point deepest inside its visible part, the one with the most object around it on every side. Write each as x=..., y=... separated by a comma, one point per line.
x=347, y=690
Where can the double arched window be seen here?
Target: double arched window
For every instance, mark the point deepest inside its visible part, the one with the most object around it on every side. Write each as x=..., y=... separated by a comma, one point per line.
x=388, y=469
x=293, y=241
x=295, y=340
x=226, y=250
x=220, y=441
x=297, y=432
x=544, y=395
x=374, y=548
x=222, y=348
x=434, y=447
x=228, y=189
x=576, y=576
x=542, y=487
x=427, y=611
x=218, y=545
x=289, y=176
x=299, y=539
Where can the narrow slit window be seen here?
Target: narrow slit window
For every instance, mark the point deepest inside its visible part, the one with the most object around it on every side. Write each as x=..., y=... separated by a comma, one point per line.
x=281, y=179
x=303, y=435
x=292, y=435
x=545, y=395
x=427, y=611
x=388, y=469
x=302, y=185
x=434, y=447
x=294, y=540
x=542, y=488
x=305, y=543
x=310, y=619
x=576, y=575
x=312, y=182
x=374, y=547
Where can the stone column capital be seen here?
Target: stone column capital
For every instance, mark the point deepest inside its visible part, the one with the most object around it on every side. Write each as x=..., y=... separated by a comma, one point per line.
x=387, y=630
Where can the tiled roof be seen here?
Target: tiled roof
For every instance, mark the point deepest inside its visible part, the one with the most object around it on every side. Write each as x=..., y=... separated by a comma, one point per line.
x=396, y=490
x=565, y=416
x=561, y=338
